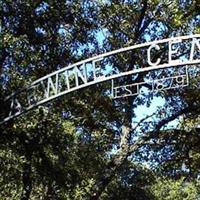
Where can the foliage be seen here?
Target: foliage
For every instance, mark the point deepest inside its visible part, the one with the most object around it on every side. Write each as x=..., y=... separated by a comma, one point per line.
x=169, y=189
x=84, y=145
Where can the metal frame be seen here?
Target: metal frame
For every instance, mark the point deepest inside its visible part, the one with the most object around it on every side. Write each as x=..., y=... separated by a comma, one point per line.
x=166, y=83
x=51, y=83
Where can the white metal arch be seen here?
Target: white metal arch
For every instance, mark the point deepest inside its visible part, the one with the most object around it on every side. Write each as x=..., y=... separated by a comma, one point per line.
x=58, y=83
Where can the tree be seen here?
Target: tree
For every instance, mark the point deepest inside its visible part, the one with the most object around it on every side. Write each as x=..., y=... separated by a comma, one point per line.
x=170, y=189
x=37, y=34
x=149, y=19
x=74, y=147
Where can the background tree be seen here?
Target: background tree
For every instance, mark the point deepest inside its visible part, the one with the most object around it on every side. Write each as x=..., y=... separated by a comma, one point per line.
x=83, y=146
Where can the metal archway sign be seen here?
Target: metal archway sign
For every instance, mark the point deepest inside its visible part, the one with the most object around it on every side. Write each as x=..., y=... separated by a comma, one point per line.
x=86, y=73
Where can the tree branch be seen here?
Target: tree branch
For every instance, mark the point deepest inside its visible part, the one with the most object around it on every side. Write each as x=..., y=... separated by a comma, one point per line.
x=159, y=125
x=142, y=15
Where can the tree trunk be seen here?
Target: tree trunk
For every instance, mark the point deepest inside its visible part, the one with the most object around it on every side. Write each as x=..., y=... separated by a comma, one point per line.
x=26, y=179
